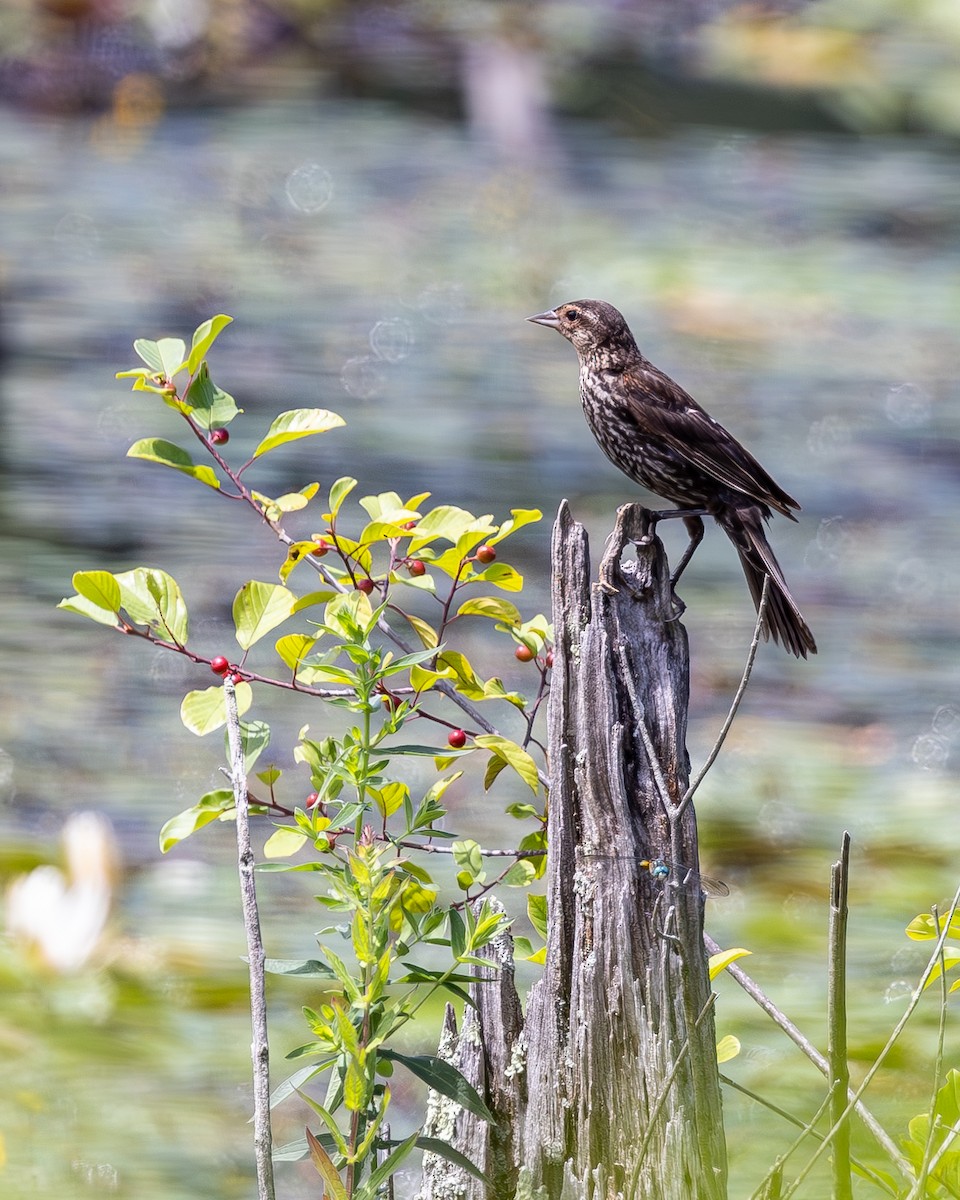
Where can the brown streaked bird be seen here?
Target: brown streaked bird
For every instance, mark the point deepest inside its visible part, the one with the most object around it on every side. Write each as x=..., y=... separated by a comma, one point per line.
x=662, y=439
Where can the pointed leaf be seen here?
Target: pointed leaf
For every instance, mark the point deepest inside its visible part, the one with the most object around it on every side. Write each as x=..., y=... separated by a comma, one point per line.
x=442, y=1078
x=203, y=338
x=210, y=807
x=297, y=423
x=518, y=518
x=258, y=608
x=723, y=958
x=392, y=1163
x=326, y=1170
x=161, y=451
x=311, y=968
x=537, y=912
x=86, y=608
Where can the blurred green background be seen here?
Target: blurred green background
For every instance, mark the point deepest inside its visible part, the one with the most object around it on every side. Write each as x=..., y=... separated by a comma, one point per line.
x=379, y=193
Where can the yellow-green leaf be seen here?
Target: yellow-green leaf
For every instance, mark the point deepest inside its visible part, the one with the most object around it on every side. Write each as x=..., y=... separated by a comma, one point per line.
x=515, y=756
x=490, y=606
x=500, y=575
x=100, y=588
x=298, y=423
x=728, y=1047
x=210, y=808
x=203, y=338
x=152, y=597
x=86, y=608
x=203, y=712
x=723, y=958
x=424, y=630
x=159, y=450
x=293, y=648
x=258, y=608
x=326, y=1170
x=283, y=842
x=518, y=518
x=537, y=913
x=295, y=554
x=339, y=492
x=446, y=521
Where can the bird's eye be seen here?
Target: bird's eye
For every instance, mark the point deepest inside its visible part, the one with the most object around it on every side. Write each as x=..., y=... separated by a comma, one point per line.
x=571, y=315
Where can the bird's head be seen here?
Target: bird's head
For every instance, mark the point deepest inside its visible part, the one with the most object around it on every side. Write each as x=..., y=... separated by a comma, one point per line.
x=596, y=329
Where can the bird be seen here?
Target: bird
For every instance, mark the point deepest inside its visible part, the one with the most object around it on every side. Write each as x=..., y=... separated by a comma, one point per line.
x=661, y=438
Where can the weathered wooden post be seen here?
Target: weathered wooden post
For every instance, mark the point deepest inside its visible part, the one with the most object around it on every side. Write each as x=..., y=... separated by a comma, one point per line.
x=620, y=1099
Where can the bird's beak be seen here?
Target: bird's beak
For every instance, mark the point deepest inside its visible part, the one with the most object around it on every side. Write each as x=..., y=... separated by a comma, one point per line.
x=549, y=318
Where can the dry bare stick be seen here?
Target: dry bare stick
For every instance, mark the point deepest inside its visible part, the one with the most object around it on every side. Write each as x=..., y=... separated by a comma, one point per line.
x=259, y=1050
x=744, y=680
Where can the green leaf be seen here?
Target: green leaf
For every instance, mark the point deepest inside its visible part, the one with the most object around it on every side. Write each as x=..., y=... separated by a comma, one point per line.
x=254, y=738
x=86, y=608
x=500, y=575
x=537, y=912
x=159, y=450
x=100, y=588
x=297, y=423
x=444, y=1150
x=521, y=874
x=325, y=1169
x=153, y=598
x=203, y=712
x=283, y=842
x=209, y=808
x=446, y=521
x=311, y=968
x=512, y=754
x=149, y=352
x=492, y=607
x=424, y=630
x=392, y=1163
x=203, y=338
x=164, y=357
x=258, y=608
x=210, y=406
x=442, y=1078
x=518, y=518
x=339, y=491
x=293, y=648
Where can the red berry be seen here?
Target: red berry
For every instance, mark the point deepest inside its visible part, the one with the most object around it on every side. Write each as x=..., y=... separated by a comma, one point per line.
x=219, y=665
x=312, y=799
x=236, y=678
x=409, y=525
x=549, y=658
x=486, y=554
x=416, y=567
x=524, y=653
x=320, y=548
x=457, y=739
x=365, y=585
x=219, y=437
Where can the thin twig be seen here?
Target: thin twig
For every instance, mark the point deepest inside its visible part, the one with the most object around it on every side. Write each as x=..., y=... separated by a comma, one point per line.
x=260, y=1050
x=744, y=680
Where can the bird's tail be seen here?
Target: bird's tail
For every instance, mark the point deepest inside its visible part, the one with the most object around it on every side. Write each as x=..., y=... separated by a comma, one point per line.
x=783, y=620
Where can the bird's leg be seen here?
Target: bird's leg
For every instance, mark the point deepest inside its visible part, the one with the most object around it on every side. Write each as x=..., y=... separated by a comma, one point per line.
x=694, y=524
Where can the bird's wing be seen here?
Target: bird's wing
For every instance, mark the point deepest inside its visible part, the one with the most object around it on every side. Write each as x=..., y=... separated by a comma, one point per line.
x=662, y=409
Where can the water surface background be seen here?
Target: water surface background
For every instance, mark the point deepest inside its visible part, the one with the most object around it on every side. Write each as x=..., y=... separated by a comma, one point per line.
x=378, y=258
